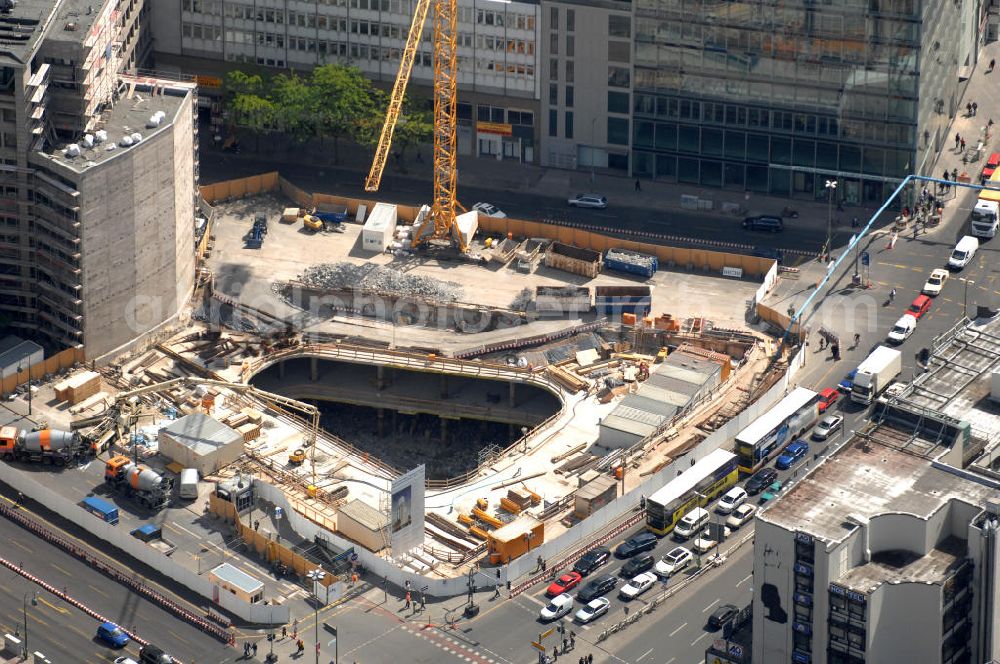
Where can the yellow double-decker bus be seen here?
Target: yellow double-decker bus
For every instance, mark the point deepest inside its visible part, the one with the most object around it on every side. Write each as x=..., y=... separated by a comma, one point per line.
x=695, y=487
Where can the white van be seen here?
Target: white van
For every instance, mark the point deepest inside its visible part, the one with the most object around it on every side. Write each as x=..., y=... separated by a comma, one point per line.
x=963, y=253
x=691, y=523
x=189, y=484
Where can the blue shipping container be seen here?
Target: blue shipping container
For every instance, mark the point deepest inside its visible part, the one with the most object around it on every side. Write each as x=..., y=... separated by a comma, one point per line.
x=101, y=508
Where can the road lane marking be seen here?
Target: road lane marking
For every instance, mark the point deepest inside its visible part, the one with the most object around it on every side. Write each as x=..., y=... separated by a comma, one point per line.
x=21, y=546
x=52, y=606
x=175, y=526
x=683, y=625
x=60, y=569
x=644, y=654
x=714, y=602
x=695, y=642
x=97, y=590
x=744, y=579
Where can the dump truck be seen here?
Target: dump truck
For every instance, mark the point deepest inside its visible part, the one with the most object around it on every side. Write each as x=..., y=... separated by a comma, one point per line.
x=59, y=448
x=141, y=484
x=875, y=373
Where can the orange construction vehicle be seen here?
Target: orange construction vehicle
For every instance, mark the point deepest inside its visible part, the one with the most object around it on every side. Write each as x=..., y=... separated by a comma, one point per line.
x=144, y=485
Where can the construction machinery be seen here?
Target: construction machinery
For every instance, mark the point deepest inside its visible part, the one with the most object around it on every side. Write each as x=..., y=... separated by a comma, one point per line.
x=440, y=225
x=141, y=484
x=297, y=458
x=59, y=448
x=312, y=223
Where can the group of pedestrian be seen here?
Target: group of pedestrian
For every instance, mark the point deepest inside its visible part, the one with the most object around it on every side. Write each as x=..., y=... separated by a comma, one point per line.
x=249, y=650
x=971, y=109
x=587, y=659
x=959, y=141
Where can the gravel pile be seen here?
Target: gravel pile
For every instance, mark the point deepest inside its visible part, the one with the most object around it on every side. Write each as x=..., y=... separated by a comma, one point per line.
x=370, y=277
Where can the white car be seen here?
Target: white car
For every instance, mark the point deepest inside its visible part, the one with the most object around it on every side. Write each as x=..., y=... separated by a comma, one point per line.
x=703, y=544
x=677, y=559
x=935, y=282
x=740, y=515
x=558, y=606
x=731, y=500
x=125, y=660
x=638, y=585
x=489, y=210
x=594, y=609
x=902, y=330
x=595, y=201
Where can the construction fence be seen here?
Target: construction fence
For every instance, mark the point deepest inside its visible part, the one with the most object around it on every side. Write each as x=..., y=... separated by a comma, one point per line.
x=64, y=359
x=670, y=256
x=779, y=320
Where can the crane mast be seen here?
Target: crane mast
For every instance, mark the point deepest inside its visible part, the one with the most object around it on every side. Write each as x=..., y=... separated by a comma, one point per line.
x=441, y=222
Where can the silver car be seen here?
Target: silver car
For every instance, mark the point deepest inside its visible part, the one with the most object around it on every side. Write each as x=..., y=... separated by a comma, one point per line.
x=595, y=201
x=827, y=426
x=489, y=210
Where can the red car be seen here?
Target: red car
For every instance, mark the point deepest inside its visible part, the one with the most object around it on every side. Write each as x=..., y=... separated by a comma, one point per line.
x=564, y=584
x=827, y=398
x=920, y=306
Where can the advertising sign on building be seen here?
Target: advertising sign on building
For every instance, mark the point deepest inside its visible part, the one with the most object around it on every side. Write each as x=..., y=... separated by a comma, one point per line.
x=406, y=522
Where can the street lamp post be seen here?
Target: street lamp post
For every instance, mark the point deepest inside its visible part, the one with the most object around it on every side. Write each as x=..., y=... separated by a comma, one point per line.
x=24, y=602
x=316, y=576
x=831, y=187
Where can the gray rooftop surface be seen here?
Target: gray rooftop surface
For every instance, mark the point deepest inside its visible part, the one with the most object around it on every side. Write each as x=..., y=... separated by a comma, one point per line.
x=365, y=514
x=21, y=29
x=906, y=567
x=201, y=433
x=128, y=116
x=13, y=349
x=852, y=481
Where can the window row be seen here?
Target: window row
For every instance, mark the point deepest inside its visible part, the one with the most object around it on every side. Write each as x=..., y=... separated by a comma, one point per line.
x=491, y=43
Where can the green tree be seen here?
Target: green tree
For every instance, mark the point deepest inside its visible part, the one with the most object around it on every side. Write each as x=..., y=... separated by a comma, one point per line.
x=344, y=104
x=292, y=98
x=247, y=101
x=415, y=126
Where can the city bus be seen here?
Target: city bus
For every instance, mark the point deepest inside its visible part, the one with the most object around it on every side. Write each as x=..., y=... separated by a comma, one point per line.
x=770, y=433
x=695, y=487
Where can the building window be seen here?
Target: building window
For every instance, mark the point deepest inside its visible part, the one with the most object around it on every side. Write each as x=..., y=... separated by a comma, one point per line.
x=569, y=96
x=617, y=102
x=554, y=17
x=569, y=124
x=617, y=131
x=553, y=94
x=570, y=71
x=570, y=20
x=554, y=43
x=553, y=122
x=570, y=46
x=619, y=26
x=553, y=69
x=619, y=51
x=619, y=77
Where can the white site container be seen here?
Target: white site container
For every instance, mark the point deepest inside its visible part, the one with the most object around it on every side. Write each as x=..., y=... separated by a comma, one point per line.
x=467, y=224
x=379, y=228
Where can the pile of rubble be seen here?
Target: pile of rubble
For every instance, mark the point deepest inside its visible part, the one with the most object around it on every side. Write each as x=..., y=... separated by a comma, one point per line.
x=379, y=279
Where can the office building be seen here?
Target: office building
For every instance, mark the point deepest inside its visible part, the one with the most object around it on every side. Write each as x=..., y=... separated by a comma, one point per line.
x=888, y=550
x=498, y=59
x=97, y=245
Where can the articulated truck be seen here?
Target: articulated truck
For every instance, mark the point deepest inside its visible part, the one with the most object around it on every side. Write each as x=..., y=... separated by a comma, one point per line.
x=60, y=448
x=875, y=373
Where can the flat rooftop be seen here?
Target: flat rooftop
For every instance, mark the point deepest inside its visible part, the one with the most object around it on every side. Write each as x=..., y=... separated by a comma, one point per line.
x=906, y=567
x=21, y=28
x=883, y=480
x=127, y=117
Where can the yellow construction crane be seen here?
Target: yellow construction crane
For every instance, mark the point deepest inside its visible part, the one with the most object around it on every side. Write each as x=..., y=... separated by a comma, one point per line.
x=441, y=223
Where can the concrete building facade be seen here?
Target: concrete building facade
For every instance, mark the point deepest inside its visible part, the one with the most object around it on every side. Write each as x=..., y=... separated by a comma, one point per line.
x=498, y=57
x=97, y=244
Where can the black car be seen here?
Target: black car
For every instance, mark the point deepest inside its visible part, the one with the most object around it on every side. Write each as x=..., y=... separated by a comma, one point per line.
x=638, y=565
x=636, y=544
x=764, y=223
x=602, y=585
x=722, y=615
x=591, y=560
x=760, y=480
x=150, y=654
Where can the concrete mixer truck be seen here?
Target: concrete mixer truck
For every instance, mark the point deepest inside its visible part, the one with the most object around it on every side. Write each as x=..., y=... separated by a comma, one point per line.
x=141, y=484
x=60, y=448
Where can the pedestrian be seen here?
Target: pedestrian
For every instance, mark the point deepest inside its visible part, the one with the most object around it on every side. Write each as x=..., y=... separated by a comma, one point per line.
x=284, y=631
x=590, y=659
x=968, y=110
x=993, y=63
x=962, y=144
x=975, y=108
x=583, y=660
x=544, y=565
x=256, y=525
x=407, y=600
x=565, y=645
x=555, y=653
x=254, y=649
x=638, y=185
x=246, y=651
x=892, y=294
x=420, y=157
x=496, y=591
x=958, y=138
x=857, y=339
x=572, y=639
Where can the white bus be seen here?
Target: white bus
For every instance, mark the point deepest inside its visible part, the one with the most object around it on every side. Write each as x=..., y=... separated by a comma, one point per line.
x=770, y=433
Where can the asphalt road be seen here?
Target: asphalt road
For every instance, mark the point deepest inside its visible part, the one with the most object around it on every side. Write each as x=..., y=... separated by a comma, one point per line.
x=66, y=634
x=799, y=234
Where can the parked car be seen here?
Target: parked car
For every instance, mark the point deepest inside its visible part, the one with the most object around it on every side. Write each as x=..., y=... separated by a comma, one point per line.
x=764, y=223
x=847, y=384
x=641, y=563
x=935, y=282
x=722, y=615
x=564, y=584
x=902, y=330
x=489, y=210
x=602, y=585
x=150, y=654
x=558, y=606
x=636, y=544
x=703, y=544
x=588, y=201
x=677, y=559
x=741, y=515
x=771, y=491
x=792, y=453
x=638, y=586
x=920, y=306
x=593, y=610
x=827, y=426
x=125, y=660
x=759, y=480
x=827, y=398
x=112, y=634
x=591, y=560
x=731, y=500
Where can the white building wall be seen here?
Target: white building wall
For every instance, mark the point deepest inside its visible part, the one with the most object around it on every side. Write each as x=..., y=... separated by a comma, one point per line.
x=774, y=580
x=904, y=623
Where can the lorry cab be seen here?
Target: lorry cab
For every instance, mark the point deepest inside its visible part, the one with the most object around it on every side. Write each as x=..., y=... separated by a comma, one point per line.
x=984, y=218
x=964, y=252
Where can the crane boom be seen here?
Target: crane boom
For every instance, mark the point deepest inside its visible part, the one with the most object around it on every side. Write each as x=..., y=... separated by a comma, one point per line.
x=396, y=98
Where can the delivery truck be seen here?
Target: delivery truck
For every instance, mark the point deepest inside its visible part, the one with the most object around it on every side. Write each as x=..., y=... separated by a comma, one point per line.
x=875, y=373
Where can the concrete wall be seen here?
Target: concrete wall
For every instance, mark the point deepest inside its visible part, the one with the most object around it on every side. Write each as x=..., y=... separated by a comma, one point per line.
x=137, y=230
x=904, y=623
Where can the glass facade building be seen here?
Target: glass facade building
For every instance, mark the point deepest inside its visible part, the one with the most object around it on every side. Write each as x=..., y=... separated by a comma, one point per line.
x=777, y=96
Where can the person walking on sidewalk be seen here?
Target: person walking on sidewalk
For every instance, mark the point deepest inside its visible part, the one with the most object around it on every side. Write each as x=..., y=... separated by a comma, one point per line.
x=993, y=63
x=958, y=137
x=975, y=108
x=638, y=185
x=968, y=109
x=962, y=143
